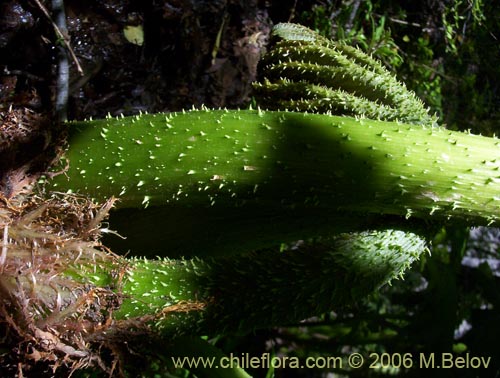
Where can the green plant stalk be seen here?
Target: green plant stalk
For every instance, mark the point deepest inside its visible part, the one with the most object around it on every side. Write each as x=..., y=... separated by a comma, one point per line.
x=247, y=178
x=104, y=297
x=284, y=161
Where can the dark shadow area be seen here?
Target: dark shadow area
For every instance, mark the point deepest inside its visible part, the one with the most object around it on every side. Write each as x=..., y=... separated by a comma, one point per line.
x=300, y=198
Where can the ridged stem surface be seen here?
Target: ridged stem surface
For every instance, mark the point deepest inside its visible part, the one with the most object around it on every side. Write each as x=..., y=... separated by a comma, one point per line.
x=103, y=296
x=285, y=161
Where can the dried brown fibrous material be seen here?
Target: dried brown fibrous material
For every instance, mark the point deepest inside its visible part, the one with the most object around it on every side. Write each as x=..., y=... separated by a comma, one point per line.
x=49, y=309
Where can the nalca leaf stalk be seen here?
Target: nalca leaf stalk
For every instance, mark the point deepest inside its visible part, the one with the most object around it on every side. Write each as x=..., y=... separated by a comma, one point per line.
x=106, y=297
x=64, y=294
x=284, y=161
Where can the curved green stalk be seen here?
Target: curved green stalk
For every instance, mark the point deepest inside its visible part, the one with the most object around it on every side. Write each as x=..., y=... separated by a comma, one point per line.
x=271, y=177
x=107, y=298
x=282, y=161
x=244, y=180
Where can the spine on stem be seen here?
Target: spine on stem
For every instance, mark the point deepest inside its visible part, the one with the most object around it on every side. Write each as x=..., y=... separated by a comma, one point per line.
x=229, y=160
x=304, y=71
x=70, y=297
x=102, y=296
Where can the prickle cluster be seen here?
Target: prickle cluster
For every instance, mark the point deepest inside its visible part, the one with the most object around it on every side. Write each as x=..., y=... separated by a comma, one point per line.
x=304, y=71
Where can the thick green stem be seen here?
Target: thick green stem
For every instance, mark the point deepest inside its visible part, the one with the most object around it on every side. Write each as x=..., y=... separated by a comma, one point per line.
x=270, y=177
x=65, y=297
x=103, y=296
x=283, y=163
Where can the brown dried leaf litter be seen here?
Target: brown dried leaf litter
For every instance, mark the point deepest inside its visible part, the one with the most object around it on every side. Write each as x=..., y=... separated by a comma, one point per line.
x=52, y=317
x=47, y=317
